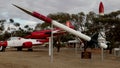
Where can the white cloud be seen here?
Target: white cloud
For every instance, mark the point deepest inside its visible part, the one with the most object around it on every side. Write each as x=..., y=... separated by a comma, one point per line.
x=53, y=6
x=11, y=27
x=23, y=22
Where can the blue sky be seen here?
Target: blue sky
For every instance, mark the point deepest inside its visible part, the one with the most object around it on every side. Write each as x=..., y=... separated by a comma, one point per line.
x=53, y=6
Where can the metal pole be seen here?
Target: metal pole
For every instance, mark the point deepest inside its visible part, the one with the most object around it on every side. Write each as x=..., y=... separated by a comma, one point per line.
x=102, y=54
x=49, y=46
x=76, y=45
x=51, y=43
x=119, y=51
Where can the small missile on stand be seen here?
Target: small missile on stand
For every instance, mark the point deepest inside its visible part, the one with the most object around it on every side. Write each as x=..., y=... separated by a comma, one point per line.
x=101, y=36
x=57, y=24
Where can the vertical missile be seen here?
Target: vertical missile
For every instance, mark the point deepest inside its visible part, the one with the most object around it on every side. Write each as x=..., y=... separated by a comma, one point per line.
x=57, y=24
x=101, y=36
x=101, y=9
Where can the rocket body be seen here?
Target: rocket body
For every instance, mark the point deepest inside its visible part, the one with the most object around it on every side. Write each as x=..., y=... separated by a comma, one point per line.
x=72, y=31
x=57, y=24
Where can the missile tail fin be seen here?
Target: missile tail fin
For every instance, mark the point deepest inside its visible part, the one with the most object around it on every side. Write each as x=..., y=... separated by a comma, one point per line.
x=93, y=42
x=69, y=24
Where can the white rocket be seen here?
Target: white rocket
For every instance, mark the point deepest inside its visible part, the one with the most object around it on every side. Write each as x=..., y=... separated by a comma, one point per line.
x=57, y=24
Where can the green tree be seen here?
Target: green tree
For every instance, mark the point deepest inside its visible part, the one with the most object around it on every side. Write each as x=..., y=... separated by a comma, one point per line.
x=2, y=24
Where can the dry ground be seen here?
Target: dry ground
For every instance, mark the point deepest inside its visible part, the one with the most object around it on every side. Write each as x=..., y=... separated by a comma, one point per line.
x=66, y=58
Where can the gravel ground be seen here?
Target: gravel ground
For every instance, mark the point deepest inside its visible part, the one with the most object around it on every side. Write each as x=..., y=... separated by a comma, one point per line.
x=66, y=58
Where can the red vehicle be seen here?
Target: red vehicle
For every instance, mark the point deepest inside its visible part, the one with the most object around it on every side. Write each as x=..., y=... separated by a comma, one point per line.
x=44, y=34
x=19, y=43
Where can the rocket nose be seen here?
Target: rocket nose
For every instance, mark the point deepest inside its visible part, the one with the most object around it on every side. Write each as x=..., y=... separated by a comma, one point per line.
x=101, y=9
x=24, y=10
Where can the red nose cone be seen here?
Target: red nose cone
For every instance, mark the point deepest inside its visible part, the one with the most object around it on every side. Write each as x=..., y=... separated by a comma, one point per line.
x=101, y=9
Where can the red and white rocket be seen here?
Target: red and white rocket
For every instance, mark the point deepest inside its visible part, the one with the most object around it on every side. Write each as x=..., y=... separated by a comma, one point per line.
x=101, y=9
x=101, y=36
x=57, y=24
